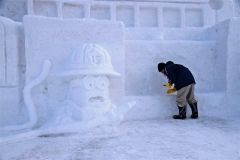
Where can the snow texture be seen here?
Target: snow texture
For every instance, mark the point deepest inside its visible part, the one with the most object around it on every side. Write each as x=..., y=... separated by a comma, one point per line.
x=207, y=138
x=79, y=79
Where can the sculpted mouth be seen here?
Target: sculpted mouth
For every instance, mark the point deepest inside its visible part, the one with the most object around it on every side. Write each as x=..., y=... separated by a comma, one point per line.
x=96, y=99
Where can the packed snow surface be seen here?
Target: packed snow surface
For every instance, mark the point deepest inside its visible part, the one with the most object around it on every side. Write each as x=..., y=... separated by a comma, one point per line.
x=208, y=138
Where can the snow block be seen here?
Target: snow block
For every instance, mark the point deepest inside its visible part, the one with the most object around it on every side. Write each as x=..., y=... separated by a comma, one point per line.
x=57, y=40
x=233, y=58
x=220, y=33
x=9, y=52
x=10, y=79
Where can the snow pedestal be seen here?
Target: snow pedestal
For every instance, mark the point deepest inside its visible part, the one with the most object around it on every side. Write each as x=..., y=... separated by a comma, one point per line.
x=70, y=80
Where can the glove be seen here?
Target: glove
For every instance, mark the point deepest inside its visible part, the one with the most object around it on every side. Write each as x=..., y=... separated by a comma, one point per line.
x=168, y=85
x=170, y=91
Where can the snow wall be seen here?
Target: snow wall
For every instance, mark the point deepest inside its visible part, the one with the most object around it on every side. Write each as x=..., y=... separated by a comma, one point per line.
x=209, y=50
x=12, y=66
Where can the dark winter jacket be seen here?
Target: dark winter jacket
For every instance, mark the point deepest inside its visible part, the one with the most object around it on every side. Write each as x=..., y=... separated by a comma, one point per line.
x=179, y=75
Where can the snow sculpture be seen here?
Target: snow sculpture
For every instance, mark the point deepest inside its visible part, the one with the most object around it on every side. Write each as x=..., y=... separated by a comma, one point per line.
x=56, y=104
x=27, y=93
x=31, y=108
x=88, y=75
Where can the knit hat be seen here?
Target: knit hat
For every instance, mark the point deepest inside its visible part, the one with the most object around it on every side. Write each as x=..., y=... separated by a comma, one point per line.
x=161, y=66
x=169, y=62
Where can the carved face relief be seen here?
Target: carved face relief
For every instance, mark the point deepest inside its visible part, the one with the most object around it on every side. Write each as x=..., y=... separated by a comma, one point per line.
x=90, y=91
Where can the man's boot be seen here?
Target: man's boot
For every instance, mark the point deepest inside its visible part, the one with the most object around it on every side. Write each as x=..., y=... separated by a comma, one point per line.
x=194, y=110
x=182, y=113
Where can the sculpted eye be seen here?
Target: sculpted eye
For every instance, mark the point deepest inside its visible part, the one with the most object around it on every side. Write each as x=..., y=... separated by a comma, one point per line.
x=102, y=83
x=89, y=82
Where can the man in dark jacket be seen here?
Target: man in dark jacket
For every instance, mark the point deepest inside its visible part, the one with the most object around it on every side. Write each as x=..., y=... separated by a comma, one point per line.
x=184, y=83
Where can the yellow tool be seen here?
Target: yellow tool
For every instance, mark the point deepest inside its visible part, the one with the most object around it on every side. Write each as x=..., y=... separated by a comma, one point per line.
x=170, y=88
x=168, y=85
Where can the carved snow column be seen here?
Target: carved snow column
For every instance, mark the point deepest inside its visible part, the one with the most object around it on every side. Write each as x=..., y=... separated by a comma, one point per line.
x=89, y=84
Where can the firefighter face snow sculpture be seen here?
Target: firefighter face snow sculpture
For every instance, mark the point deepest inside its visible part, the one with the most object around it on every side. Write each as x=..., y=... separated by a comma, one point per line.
x=90, y=90
x=90, y=72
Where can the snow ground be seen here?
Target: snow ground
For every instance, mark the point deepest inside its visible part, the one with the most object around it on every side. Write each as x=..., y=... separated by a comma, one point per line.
x=206, y=138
